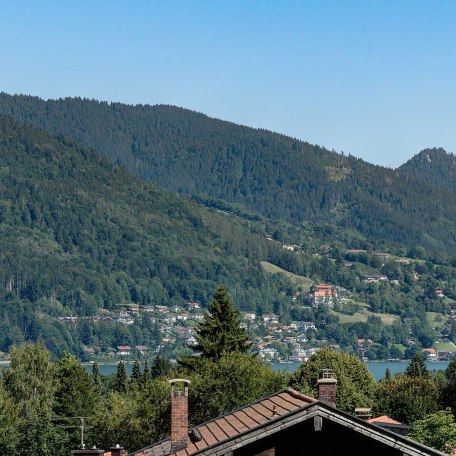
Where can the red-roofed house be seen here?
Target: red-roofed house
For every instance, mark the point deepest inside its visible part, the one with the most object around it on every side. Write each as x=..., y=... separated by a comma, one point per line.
x=323, y=294
x=123, y=350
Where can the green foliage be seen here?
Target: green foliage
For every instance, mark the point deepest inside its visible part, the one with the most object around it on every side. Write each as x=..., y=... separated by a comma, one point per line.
x=219, y=333
x=9, y=424
x=449, y=387
x=134, y=419
x=406, y=398
x=30, y=380
x=417, y=368
x=40, y=437
x=437, y=430
x=121, y=382
x=75, y=394
x=387, y=374
x=161, y=367
x=231, y=382
x=147, y=377
x=450, y=371
x=136, y=376
x=78, y=234
x=433, y=167
x=355, y=384
x=96, y=375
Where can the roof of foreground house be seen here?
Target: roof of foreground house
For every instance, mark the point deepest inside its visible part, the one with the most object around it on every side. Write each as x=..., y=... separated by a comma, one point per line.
x=232, y=424
x=272, y=414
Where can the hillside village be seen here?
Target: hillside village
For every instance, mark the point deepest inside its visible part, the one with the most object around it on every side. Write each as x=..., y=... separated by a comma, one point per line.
x=274, y=340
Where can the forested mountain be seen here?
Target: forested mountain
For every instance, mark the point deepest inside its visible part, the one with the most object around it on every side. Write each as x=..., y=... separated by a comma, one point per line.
x=435, y=167
x=78, y=233
x=277, y=176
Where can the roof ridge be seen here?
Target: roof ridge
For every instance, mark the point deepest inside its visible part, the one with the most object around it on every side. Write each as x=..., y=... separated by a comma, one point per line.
x=299, y=395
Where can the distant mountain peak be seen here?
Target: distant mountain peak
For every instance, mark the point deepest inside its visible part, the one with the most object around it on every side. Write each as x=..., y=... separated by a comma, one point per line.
x=434, y=166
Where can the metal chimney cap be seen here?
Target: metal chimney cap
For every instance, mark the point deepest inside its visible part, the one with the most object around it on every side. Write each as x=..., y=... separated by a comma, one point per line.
x=327, y=373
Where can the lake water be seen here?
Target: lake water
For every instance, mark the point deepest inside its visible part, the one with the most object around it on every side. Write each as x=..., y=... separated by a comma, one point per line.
x=376, y=368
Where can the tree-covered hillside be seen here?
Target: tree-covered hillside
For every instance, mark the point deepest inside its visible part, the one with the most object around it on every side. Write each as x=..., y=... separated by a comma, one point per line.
x=434, y=167
x=274, y=175
x=78, y=234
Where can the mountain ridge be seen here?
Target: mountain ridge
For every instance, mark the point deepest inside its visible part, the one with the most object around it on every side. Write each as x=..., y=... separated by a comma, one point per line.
x=274, y=175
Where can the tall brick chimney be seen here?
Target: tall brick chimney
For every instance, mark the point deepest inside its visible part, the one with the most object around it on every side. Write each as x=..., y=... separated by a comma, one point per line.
x=327, y=387
x=179, y=414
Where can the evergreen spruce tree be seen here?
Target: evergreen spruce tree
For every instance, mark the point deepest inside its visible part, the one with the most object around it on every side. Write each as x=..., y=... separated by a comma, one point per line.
x=160, y=367
x=387, y=374
x=220, y=332
x=449, y=388
x=417, y=368
x=146, y=374
x=136, y=377
x=120, y=383
x=450, y=371
x=96, y=375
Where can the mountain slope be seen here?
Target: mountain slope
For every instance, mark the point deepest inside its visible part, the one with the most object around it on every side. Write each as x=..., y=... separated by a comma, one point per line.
x=435, y=167
x=277, y=176
x=78, y=233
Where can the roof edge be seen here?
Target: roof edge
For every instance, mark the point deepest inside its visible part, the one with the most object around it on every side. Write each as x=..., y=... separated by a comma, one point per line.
x=299, y=395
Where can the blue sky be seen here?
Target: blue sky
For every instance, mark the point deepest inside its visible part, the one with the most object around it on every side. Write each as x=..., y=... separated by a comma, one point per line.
x=376, y=79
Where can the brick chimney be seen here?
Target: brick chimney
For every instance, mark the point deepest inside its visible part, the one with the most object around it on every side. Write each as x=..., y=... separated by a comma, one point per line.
x=179, y=414
x=327, y=387
x=116, y=451
x=363, y=413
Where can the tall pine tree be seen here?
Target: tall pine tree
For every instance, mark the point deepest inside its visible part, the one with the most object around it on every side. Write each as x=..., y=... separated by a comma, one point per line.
x=120, y=383
x=146, y=375
x=220, y=332
x=136, y=376
x=160, y=367
x=96, y=375
x=417, y=368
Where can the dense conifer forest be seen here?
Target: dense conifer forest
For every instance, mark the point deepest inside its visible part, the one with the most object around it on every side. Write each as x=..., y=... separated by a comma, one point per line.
x=79, y=234
x=268, y=173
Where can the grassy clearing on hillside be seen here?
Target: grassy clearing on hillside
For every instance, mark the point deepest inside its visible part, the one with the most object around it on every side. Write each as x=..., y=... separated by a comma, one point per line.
x=436, y=320
x=363, y=314
x=445, y=346
x=304, y=282
x=411, y=260
x=401, y=347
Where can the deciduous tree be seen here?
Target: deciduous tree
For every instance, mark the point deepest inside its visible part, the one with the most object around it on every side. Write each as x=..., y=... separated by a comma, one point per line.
x=355, y=384
x=406, y=399
x=438, y=430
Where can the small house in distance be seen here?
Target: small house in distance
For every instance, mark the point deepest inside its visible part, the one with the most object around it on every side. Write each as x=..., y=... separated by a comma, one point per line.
x=323, y=294
x=124, y=350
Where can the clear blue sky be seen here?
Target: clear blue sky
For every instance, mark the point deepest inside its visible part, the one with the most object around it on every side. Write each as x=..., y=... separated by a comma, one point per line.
x=376, y=79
